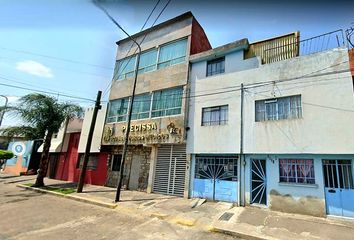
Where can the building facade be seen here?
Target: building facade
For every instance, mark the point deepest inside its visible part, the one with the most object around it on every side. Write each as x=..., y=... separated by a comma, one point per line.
x=156, y=158
x=273, y=132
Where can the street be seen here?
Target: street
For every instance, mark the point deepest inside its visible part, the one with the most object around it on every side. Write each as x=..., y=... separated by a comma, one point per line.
x=30, y=215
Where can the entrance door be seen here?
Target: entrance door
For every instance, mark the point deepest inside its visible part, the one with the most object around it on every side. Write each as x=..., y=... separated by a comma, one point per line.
x=170, y=170
x=339, y=188
x=216, y=178
x=134, y=172
x=258, y=182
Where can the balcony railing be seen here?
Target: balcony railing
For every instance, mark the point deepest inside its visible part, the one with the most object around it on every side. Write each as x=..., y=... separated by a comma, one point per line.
x=308, y=46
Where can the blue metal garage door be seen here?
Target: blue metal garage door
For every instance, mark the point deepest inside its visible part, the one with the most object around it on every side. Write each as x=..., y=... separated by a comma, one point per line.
x=339, y=188
x=216, y=178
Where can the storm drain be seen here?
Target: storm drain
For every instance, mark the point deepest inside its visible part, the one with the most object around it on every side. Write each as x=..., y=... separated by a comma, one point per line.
x=226, y=216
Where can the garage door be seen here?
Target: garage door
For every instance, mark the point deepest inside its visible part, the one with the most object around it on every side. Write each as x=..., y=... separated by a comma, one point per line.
x=170, y=170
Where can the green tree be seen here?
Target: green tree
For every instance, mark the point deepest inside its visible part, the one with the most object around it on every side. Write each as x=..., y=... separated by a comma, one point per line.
x=5, y=155
x=42, y=116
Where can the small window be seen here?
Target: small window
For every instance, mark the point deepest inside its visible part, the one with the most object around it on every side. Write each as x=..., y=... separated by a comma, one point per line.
x=278, y=108
x=296, y=171
x=116, y=161
x=92, y=163
x=215, y=115
x=216, y=66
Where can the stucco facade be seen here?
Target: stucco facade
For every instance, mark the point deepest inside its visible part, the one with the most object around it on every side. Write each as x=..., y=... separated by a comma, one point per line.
x=324, y=131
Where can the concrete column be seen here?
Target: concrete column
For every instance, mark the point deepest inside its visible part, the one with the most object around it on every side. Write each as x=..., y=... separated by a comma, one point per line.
x=153, y=158
x=187, y=176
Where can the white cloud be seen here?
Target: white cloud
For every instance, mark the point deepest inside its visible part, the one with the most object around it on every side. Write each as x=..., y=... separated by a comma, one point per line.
x=34, y=68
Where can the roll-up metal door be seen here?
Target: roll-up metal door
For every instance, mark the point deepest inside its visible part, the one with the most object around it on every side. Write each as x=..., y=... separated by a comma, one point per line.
x=170, y=170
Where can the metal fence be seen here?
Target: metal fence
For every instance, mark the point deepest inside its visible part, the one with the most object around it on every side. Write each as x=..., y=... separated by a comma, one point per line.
x=308, y=46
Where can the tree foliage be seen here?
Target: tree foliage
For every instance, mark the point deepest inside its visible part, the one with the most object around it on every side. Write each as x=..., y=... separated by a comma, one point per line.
x=43, y=115
x=5, y=155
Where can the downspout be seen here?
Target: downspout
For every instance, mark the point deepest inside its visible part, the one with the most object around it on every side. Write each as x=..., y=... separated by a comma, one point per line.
x=241, y=158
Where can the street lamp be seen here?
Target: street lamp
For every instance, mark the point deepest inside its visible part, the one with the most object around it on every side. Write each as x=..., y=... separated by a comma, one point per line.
x=3, y=112
x=125, y=147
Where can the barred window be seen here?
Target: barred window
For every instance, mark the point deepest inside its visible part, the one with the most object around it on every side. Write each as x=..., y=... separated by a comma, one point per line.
x=296, y=171
x=278, y=108
x=215, y=115
x=216, y=66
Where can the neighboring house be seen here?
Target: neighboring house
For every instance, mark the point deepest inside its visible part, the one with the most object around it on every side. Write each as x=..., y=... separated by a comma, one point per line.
x=96, y=172
x=26, y=158
x=283, y=140
x=156, y=158
x=63, y=152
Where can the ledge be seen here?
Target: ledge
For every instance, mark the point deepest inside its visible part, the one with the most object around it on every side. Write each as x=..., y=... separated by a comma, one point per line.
x=298, y=185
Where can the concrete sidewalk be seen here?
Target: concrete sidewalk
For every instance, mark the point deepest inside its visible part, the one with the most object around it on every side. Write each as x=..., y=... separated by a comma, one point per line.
x=247, y=223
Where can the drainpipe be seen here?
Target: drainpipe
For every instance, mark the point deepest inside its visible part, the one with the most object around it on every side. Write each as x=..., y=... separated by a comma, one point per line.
x=241, y=158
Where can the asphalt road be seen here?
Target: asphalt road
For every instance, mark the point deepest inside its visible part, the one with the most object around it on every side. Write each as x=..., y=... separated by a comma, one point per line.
x=29, y=215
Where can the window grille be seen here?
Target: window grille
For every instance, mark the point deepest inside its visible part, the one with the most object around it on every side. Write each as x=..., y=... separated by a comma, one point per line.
x=278, y=108
x=297, y=171
x=116, y=161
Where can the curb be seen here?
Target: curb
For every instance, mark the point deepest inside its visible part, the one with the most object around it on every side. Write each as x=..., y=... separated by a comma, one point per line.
x=238, y=234
x=72, y=197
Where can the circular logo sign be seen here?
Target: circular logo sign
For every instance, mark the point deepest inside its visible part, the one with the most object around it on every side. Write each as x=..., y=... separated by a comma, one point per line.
x=19, y=148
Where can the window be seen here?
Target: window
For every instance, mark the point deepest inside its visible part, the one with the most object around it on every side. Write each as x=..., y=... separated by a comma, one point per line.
x=278, y=108
x=116, y=161
x=216, y=167
x=118, y=110
x=215, y=115
x=92, y=162
x=216, y=66
x=148, y=61
x=172, y=53
x=141, y=106
x=296, y=171
x=167, y=102
x=124, y=68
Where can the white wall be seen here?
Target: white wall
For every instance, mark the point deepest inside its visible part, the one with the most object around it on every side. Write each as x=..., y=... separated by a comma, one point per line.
x=327, y=102
x=97, y=134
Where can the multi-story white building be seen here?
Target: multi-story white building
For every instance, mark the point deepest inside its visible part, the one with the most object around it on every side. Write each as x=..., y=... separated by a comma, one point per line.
x=274, y=130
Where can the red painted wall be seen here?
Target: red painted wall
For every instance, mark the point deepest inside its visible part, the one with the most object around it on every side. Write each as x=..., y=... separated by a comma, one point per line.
x=66, y=168
x=199, y=41
x=351, y=61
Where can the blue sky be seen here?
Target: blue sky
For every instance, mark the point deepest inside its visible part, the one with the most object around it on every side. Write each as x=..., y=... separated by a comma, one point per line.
x=77, y=31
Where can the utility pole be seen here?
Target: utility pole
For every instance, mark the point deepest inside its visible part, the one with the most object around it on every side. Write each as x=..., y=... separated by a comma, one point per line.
x=241, y=159
x=3, y=112
x=88, y=143
x=127, y=131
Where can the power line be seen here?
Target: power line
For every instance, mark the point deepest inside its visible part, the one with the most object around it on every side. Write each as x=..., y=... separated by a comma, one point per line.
x=114, y=73
x=46, y=92
x=55, y=58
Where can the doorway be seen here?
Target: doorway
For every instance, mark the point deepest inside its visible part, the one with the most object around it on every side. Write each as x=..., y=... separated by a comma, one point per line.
x=339, y=188
x=258, y=181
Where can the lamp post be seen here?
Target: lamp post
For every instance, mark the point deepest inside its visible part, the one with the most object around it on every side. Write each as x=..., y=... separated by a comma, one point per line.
x=127, y=131
x=3, y=112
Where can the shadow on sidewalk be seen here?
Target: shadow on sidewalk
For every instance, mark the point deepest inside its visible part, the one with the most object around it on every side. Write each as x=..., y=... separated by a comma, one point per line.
x=21, y=180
